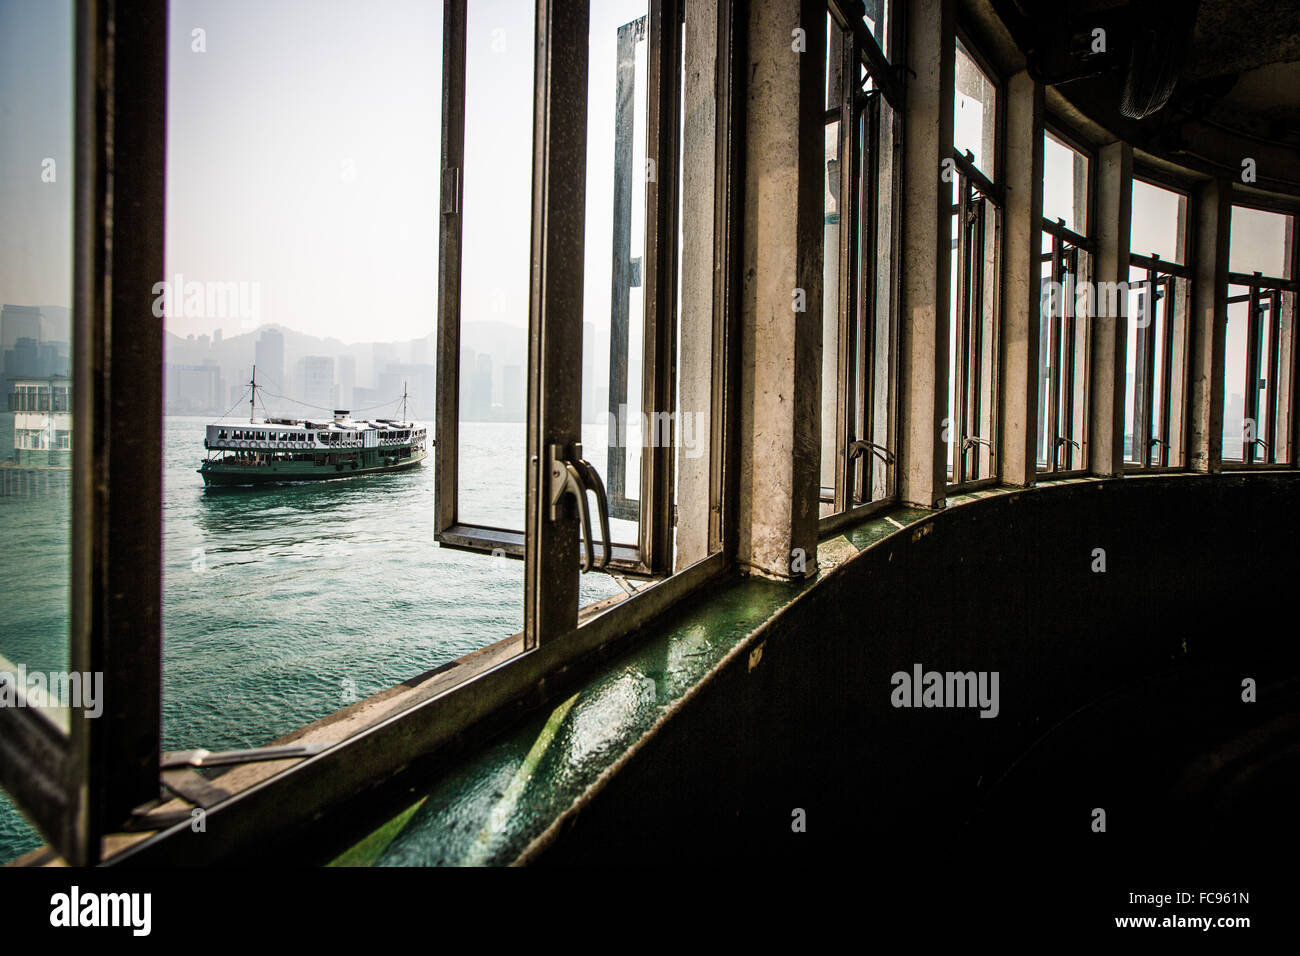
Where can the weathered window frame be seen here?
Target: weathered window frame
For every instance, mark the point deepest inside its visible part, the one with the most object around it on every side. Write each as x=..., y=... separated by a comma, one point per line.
x=865, y=130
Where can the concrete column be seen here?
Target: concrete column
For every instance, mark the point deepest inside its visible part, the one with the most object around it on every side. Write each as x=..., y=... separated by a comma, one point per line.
x=781, y=292
x=695, y=358
x=1207, y=320
x=1109, y=332
x=926, y=238
x=1022, y=231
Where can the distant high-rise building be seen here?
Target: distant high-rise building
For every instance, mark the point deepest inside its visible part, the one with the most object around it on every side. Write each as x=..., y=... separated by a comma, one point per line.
x=314, y=379
x=20, y=322
x=513, y=408
x=480, y=394
x=467, y=366
x=268, y=355
x=589, y=409
x=347, y=381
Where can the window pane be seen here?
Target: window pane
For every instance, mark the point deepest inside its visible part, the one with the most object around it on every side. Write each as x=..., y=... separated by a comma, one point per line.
x=615, y=423
x=36, y=199
x=1159, y=223
x=830, y=310
x=495, y=257
x=1234, y=380
x=1259, y=241
x=974, y=113
x=1065, y=185
x=284, y=602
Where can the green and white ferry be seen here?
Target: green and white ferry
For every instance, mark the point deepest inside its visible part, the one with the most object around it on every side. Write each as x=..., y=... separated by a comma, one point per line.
x=277, y=450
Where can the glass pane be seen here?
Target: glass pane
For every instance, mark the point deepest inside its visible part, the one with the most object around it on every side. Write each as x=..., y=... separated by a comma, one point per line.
x=974, y=113
x=615, y=423
x=1159, y=223
x=1047, y=359
x=830, y=308
x=1137, y=318
x=953, y=427
x=36, y=199
x=878, y=19
x=495, y=262
x=879, y=331
x=1065, y=185
x=288, y=600
x=1234, y=381
x=1259, y=242
x=1159, y=360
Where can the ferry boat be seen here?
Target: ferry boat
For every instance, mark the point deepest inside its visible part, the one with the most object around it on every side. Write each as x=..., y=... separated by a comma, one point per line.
x=298, y=449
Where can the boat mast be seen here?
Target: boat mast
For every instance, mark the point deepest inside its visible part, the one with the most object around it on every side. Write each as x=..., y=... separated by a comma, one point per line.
x=403, y=401
x=252, y=398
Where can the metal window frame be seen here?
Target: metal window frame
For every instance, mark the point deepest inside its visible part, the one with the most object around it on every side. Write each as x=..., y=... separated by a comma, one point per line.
x=80, y=785
x=973, y=233
x=1060, y=400
x=860, y=116
x=503, y=680
x=651, y=555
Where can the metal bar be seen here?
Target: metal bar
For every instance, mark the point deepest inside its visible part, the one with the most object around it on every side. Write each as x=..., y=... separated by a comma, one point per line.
x=1166, y=377
x=1257, y=280
x=663, y=120
x=729, y=203
x=976, y=279
x=1163, y=266
x=1271, y=392
x=1250, y=405
x=621, y=273
x=1057, y=230
x=555, y=310
x=866, y=258
x=117, y=444
x=1054, y=356
x=450, y=233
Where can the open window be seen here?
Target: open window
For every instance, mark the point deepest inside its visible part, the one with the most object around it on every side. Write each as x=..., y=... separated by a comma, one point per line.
x=1156, y=326
x=859, y=335
x=971, y=426
x=80, y=472
x=1259, y=351
x=1066, y=309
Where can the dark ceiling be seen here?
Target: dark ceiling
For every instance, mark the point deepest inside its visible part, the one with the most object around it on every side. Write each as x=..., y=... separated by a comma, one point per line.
x=1206, y=83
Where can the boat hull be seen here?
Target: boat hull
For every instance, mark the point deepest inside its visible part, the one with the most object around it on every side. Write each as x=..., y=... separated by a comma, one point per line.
x=218, y=474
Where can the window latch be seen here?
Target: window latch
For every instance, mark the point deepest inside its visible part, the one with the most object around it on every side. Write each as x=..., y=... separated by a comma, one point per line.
x=1062, y=440
x=576, y=476
x=976, y=440
x=861, y=447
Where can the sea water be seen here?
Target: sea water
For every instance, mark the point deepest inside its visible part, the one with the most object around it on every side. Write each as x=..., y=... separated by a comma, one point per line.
x=283, y=604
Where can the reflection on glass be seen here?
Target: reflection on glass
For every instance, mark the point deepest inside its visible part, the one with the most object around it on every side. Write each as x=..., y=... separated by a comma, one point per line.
x=1065, y=185
x=975, y=113
x=1258, y=242
x=1159, y=223
x=36, y=422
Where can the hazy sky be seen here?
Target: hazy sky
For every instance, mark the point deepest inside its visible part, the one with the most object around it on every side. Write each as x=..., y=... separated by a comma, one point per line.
x=304, y=155
x=36, y=125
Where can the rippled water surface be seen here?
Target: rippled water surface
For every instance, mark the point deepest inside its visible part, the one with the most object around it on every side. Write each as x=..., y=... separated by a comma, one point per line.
x=283, y=604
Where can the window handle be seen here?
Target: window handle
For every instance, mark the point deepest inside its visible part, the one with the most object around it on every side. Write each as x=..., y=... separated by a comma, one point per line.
x=576, y=476
x=591, y=482
x=1157, y=441
x=1062, y=440
x=861, y=447
x=976, y=440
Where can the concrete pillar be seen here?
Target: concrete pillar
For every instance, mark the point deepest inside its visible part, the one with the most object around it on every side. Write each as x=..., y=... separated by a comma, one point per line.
x=695, y=357
x=1022, y=231
x=1207, y=320
x=781, y=290
x=926, y=238
x=1109, y=333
